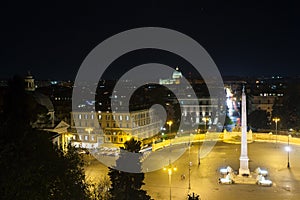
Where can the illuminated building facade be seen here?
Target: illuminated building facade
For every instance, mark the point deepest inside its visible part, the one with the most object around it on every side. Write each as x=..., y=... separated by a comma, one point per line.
x=116, y=128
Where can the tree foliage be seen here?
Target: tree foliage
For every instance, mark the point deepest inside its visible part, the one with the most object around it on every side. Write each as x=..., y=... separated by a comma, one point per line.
x=288, y=110
x=100, y=190
x=193, y=196
x=258, y=119
x=125, y=185
x=32, y=167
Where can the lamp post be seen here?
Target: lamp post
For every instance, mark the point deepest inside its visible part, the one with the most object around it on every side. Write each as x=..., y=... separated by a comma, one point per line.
x=205, y=119
x=89, y=130
x=199, y=154
x=288, y=149
x=276, y=120
x=170, y=125
x=170, y=170
x=190, y=163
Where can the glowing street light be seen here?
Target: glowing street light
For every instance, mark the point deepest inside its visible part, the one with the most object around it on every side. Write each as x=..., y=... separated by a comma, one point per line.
x=89, y=130
x=276, y=120
x=288, y=149
x=170, y=125
x=170, y=170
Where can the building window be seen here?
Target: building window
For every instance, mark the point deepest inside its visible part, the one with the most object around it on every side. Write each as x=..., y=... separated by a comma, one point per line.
x=80, y=137
x=85, y=116
x=86, y=137
x=127, y=117
x=121, y=139
x=93, y=138
x=99, y=116
x=92, y=116
x=107, y=125
x=79, y=116
x=120, y=117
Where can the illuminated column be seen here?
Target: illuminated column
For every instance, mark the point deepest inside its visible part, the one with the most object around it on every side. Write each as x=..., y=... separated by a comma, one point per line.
x=244, y=160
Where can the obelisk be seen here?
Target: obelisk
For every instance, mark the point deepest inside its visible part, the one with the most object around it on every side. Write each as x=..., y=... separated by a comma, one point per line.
x=244, y=160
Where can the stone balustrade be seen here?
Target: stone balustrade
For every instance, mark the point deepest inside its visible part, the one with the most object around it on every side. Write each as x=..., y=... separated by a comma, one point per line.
x=193, y=138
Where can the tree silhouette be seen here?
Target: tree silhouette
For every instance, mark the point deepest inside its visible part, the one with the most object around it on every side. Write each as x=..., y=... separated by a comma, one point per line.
x=125, y=185
x=31, y=166
x=288, y=109
x=193, y=196
x=258, y=119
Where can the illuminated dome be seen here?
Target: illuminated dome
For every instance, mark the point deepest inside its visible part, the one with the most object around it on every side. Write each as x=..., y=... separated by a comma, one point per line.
x=177, y=74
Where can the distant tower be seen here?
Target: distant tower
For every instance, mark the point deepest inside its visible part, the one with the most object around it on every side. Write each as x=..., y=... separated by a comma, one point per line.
x=29, y=82
x=244, y=160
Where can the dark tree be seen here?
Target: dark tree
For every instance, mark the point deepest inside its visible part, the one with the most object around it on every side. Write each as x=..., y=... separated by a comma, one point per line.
x=193, y=196
x=228, y=121
x=125, y=185
x=288, y=109
x=31, y=166
x=258, y=119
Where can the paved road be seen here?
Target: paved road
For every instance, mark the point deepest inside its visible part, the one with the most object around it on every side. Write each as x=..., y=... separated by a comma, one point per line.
x=204, y=178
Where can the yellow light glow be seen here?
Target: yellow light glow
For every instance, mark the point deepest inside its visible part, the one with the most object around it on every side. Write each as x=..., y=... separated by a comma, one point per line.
x=276, y=119
x=206, y=119
x=89, y=130
x=169, y=123
x=128, y=138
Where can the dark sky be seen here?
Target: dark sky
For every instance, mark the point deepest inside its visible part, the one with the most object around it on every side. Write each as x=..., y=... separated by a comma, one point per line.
x=245, y=39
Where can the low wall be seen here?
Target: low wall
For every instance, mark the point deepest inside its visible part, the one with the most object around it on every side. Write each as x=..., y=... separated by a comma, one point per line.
x=273, y=138
x=220, y=136
x=188, y=139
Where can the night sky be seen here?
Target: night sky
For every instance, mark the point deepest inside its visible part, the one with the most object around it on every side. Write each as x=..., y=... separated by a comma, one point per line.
x=244, y=39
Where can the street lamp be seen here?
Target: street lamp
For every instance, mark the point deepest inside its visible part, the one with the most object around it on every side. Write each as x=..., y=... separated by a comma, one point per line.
x=288, y=149
x=205, y=119
x=190, y=163
x=170, y=125
x=170, y=170
x=276, y=120
x=89, y=130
